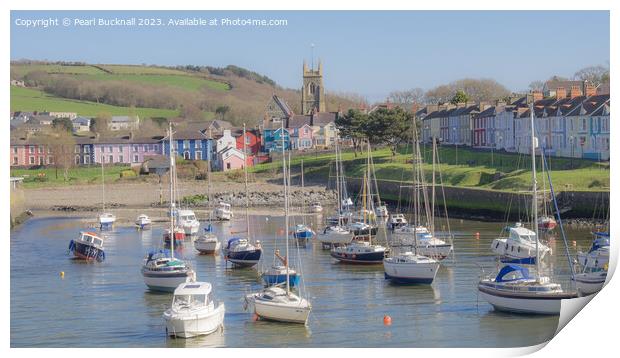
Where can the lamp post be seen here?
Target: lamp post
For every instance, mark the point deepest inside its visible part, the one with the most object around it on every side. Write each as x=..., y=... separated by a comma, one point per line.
x=456, y=147
x=499, y=139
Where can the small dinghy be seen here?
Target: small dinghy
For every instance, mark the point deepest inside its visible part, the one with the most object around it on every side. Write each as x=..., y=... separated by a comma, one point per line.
x=143, y=222
x=89, y=246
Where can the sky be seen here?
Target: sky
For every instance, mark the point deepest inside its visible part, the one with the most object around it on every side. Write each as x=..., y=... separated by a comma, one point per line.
x=370, y=53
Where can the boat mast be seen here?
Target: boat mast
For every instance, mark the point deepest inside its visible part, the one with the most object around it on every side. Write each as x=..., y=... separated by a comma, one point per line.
x=534, y=189
x=433, y=192
x=172, y=233
x=338, y=207
x=209, y=176
x=303, y=196
x=284, y=180
x=247, y=197
x=102, y=183
x=415, y=191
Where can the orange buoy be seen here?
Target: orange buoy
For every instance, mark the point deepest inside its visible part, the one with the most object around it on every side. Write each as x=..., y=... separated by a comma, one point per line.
x=254, y=317
x=387, y=320
x=574, y=243
x=477, y=235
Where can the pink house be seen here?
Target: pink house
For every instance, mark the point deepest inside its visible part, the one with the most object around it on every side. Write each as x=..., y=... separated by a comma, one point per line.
x=230, y=159
x=125, y=150
x=300, y=130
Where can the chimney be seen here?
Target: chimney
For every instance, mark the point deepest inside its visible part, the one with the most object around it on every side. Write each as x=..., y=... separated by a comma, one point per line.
x=590, y=90
x=575, y=91
x=537, y=95
x=560, y=93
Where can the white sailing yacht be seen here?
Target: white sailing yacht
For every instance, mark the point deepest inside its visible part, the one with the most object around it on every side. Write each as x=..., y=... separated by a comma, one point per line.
x=106, y=220
x=337, y=233
x=407, y=267
x=161, y=270
x=276, y=303
x=241, y=251
x=208, y=243
x=513, y=289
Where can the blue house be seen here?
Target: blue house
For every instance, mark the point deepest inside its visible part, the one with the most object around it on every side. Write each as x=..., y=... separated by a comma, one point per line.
x=272, y=139
x=191, y=145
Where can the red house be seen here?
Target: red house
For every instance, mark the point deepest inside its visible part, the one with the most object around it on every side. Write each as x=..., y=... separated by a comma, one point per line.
x=252, y=140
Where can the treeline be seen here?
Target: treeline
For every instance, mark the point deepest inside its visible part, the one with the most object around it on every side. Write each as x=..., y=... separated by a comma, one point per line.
x=223, y=71
x=383, y=126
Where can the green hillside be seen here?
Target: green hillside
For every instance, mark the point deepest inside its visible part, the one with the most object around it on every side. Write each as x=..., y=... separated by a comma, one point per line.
x=27, y=99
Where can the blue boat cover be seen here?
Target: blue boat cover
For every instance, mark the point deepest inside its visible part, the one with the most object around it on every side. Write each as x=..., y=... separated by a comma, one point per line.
x=232, y=241
x=512, y=268
x=209, y=228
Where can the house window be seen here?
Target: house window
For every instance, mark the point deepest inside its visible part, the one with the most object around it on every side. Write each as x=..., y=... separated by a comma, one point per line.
x=227, y=165
x=41, y=161
x=76, y=149
x=50, y=160
x=87, y=159
x=186, y=155
x=198, y=155
x=604, y=125
x=582, y=124
x=197, y=144
x=77, y=160
x=15, y=160
x=120, y=149
x=185, y=144
x=41, y=149
x=14, y=150
x=86, y=149
x=135, y=148
x=156, y=147
x=135, y=158
x=111, y=158
x=31, y=160
x=120, y=159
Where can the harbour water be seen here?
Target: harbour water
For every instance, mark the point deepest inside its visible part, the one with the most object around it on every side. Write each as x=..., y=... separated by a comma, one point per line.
x=107, y=304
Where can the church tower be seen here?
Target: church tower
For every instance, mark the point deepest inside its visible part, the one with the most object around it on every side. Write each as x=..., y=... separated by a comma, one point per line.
x=312, y=92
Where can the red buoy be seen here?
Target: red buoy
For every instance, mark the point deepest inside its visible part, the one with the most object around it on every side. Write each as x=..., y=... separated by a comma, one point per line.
x=387, y=320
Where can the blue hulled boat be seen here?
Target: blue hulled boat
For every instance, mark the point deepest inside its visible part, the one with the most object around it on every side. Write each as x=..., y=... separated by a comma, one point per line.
x=88, y=246
x=242, y=253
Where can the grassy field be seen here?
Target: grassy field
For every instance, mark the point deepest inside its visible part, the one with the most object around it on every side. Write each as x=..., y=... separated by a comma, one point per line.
x=141, y=70
x=89, y=70
x=189, y=83
x=49, y=177
x=510, y=172
x=27, y=99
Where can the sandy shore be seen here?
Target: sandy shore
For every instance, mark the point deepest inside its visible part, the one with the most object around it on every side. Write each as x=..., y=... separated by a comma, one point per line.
x=147, y=195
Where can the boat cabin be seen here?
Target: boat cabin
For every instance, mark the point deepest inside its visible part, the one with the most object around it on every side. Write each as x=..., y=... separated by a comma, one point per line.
x=192, y=294
x=519, y=233
x=91, y=239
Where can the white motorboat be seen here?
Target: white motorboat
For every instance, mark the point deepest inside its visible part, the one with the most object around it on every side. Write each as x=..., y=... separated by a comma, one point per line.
x=334, y=236
x=187, y=220
x=520, y=246
x=143, y=222
x=409, y=268
x=396, y=221
x=275, y=304
x=107, y=220
x=316, y=207
x=223, y=211
x=598, y=254
x=193, y=312
x=382, y=211
x=207, y=243
x=590, y=281
x=428, y=244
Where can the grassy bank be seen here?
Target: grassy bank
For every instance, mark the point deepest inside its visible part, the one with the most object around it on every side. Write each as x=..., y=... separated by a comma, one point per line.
x=484, y=170
x=49, y=177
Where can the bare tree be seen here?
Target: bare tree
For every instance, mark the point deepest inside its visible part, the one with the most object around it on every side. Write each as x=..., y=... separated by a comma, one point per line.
x=407, y=97
x=536, y=85
x=62, y=145
x=593, y=74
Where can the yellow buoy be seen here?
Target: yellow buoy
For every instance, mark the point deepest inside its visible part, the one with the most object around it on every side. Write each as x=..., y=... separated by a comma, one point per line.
x=62, y=274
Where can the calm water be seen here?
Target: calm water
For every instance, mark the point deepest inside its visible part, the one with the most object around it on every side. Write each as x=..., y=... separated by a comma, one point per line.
x=108, y=304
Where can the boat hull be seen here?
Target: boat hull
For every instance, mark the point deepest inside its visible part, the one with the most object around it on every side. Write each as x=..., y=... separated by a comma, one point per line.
x=516, y=302
x=166, y=281
x=87, y=252
x=246, y=258
x=196, y=325
x=208, y=247
x=589, y=284
x=366, y=258
x=280, y=313
x=410, y=273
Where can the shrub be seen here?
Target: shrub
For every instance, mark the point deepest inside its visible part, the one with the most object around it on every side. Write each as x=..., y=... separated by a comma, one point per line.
x=128, y=173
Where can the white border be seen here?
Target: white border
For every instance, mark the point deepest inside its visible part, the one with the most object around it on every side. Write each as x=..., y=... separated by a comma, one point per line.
x=590, y=333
